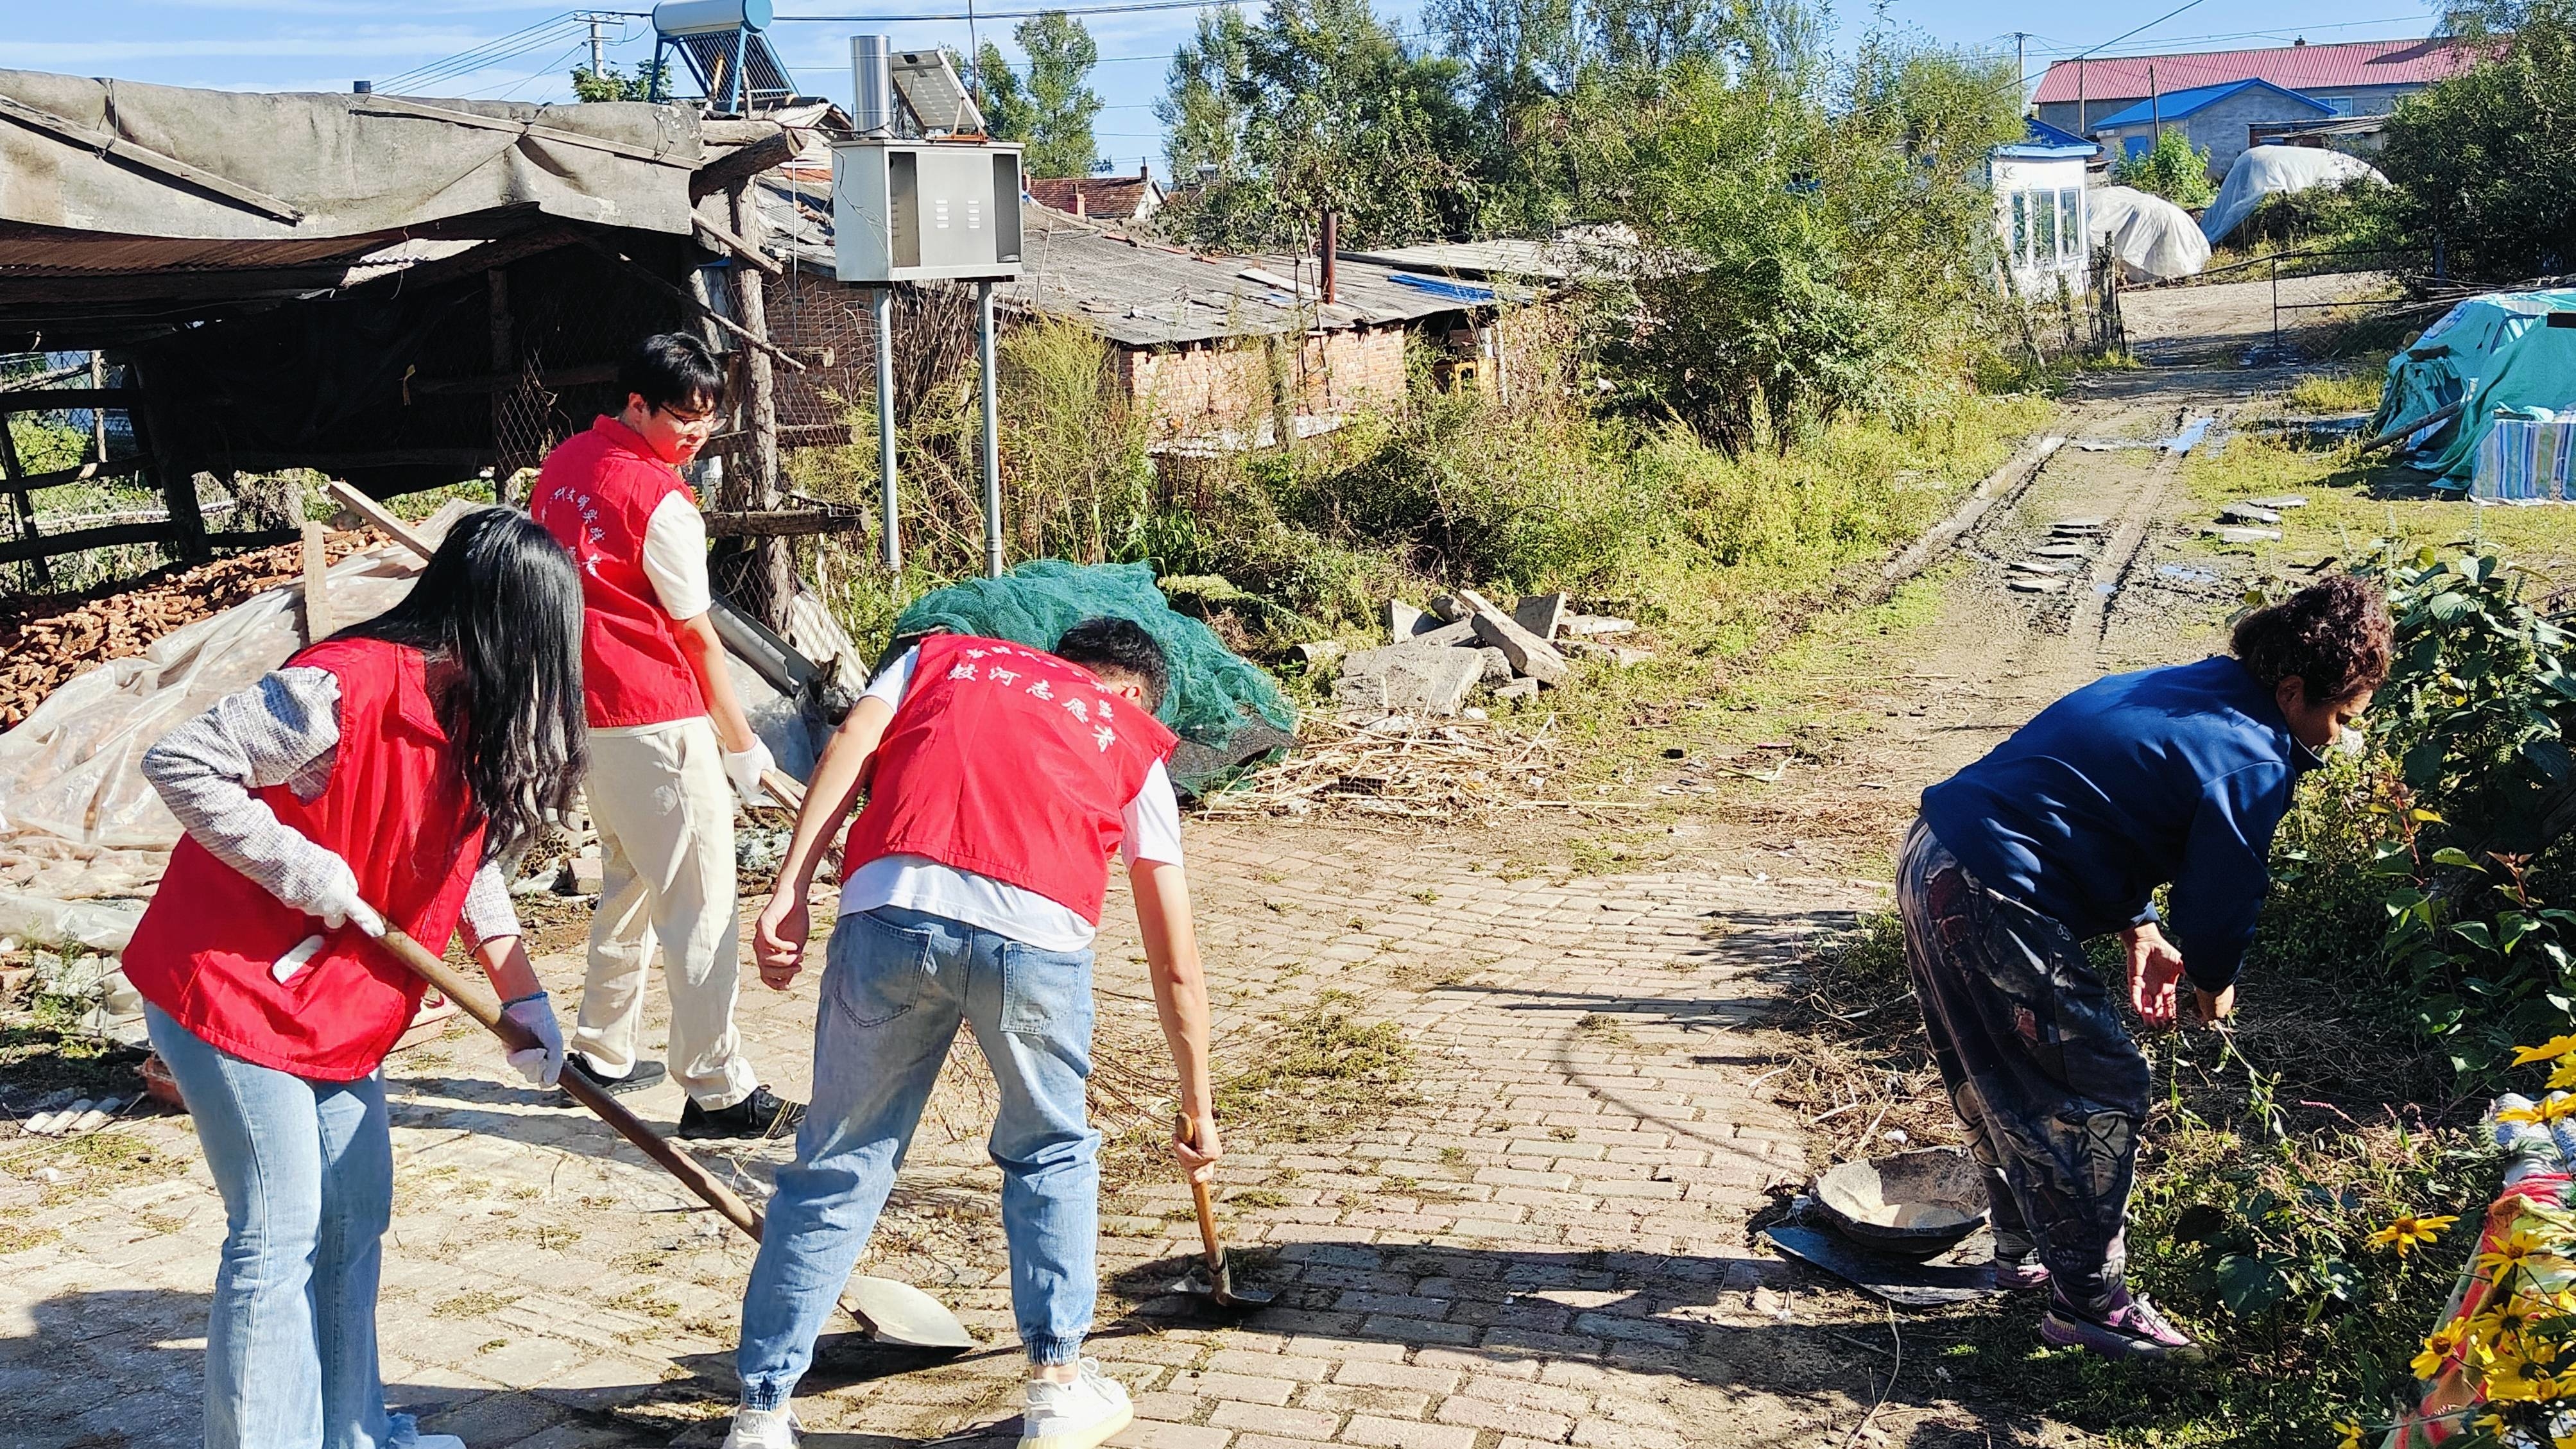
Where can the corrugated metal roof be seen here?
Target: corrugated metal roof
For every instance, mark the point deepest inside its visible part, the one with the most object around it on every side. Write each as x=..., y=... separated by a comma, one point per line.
x=1109, y=197
x=1579, y=251
x=1135, y=292
x=2300, y=67
x=2176, y=105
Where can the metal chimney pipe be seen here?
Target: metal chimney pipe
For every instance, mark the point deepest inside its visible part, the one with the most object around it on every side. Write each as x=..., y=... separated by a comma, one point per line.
x=872, y=74
x=1332, y=251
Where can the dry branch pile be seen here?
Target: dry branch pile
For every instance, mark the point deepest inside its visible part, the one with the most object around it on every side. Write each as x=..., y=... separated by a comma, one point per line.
x=1399, y=767
x=47, y=640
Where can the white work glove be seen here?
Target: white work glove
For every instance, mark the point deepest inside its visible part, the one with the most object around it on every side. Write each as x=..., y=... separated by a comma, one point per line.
x=334, y=896
x=744, y=769
x=543, y=1063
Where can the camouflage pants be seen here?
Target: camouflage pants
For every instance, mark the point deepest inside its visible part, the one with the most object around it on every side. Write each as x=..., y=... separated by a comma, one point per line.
x=2039, y=1068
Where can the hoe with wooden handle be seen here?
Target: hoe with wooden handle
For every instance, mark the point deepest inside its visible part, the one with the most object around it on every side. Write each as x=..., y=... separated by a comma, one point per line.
x=892, y=1313
x=1213, y=1279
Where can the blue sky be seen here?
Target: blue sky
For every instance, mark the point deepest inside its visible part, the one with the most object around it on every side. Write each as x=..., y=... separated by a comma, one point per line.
x=326, y=44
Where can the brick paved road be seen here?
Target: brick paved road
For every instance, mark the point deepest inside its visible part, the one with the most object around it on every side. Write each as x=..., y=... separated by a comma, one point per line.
x=1545, y=1248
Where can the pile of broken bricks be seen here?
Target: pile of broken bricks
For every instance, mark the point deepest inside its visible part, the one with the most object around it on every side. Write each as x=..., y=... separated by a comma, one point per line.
x=1435, y=661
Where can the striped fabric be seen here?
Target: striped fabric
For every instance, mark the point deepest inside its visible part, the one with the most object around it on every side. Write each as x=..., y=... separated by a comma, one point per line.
x=2527, y=460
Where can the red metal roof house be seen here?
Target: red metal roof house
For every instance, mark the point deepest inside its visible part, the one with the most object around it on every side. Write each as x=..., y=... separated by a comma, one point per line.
x=2354, y=78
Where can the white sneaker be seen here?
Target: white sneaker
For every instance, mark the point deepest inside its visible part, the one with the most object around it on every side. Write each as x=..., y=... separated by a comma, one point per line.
x=1077, y=1415
x=764, y=1429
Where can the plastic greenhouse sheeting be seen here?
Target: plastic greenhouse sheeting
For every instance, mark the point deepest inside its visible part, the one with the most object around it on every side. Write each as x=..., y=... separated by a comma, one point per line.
x=2154, y=239
x=2494, y=354
x=2269, y=170
x=1217, y=699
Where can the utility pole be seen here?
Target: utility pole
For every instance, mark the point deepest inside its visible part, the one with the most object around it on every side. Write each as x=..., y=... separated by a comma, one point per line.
x=598, y=48
x=2155, y=104
x=2021, y=65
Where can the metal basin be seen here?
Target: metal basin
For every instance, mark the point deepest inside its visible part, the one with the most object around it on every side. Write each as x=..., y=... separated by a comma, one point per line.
x=1916, y=1204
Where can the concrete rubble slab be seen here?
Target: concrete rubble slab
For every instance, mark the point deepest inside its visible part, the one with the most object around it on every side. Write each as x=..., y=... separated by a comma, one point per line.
x=1540, y=613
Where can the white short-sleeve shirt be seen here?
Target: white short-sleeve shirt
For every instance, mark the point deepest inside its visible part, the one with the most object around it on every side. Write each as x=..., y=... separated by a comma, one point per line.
x=1152, y=828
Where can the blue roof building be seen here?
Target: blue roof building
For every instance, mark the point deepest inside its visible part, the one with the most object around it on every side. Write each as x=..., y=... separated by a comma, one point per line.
x=2217, y=118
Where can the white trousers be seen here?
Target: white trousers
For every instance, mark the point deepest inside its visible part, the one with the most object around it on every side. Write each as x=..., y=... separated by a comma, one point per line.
x=664, y=811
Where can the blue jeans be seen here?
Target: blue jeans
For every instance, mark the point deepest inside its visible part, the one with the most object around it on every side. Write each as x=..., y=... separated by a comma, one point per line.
x=895, y=986
x=306, y=1170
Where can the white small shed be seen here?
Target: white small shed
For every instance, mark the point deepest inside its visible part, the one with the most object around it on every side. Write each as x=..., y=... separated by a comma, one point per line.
x=2040, y=221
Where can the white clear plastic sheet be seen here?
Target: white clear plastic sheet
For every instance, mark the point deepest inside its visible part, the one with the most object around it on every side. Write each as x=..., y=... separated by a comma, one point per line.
x=2153, y=239
x=2268, y=170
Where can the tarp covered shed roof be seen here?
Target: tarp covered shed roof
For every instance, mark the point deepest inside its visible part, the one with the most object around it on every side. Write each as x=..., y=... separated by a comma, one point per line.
x=2490, y=352
x=1143, y=294
x=2042, y=141
x=144, y=204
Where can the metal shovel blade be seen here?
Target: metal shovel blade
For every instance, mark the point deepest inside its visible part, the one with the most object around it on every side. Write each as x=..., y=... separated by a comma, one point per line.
x=1216, y=1284
x=902, y=1316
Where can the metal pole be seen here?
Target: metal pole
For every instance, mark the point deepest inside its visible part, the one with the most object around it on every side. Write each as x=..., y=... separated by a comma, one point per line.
x=2276, y=302
x=992, y=431
x=885, y=430
x=598, y=49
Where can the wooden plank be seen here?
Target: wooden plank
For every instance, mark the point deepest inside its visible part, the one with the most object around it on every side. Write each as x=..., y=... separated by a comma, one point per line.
x=54, y=545
x=741, y=250
x=144, y=158
x=11, y=467
x=777, y=558
x=113, y=468
x=787, y=522
x=413, y=110
x=55, y=399
x=374, y=512
x=504, y=381
x=318, y=623
x=741, y=164
x=470, y=458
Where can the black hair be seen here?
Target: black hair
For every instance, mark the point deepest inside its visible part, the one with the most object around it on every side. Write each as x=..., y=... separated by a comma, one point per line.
x=1118, y=646
x=501, y=602
x=2334, y=636
x=672, y=367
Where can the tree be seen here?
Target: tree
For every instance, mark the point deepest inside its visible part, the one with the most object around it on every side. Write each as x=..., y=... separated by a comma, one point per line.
x=2172, y=168
x=610, y=84
x=2485, y=160
x=1051, y=108
x=1319, y=106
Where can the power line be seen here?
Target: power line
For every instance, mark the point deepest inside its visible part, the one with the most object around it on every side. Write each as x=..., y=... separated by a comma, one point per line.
x=1133, y=6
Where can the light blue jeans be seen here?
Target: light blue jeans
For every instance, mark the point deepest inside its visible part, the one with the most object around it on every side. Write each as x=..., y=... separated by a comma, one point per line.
x=895, y=986
x=306, y=1170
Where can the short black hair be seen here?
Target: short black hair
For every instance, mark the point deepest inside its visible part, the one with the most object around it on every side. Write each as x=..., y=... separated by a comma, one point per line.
x=1118, y=646
x=672, y=367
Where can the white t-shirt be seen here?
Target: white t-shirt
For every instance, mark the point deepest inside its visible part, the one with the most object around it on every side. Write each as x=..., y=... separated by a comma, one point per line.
x=675, y=557
x=918, y=883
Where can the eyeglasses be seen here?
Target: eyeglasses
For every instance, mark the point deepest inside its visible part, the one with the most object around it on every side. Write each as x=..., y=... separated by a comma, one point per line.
x=688, y=419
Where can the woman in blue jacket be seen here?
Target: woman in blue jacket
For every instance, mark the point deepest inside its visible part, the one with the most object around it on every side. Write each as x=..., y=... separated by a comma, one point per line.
x=2176, y=776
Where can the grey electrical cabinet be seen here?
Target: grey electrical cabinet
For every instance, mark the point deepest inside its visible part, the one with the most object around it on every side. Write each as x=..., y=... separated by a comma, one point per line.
x=918, y=211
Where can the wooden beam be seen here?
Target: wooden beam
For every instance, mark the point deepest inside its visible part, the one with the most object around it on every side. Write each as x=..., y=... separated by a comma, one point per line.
x=726, y=241
x=144, y=158
x=597, y=372
x=787, y=522
x=484, y=258
x=317, y=583
x=413, y=110
x=53, y=545
x=12, y=468
x=374, y=512
x=743, y=163
x=152, y=287
x=55, y=399
x=681, y=294
x=249, y=462
x=113, y=468
x=777, y=558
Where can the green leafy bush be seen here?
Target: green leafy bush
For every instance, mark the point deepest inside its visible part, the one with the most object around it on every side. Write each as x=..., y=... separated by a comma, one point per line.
x=2172, y=168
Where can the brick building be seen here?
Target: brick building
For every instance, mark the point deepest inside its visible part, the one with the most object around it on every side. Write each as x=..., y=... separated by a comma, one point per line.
x=2355, y=78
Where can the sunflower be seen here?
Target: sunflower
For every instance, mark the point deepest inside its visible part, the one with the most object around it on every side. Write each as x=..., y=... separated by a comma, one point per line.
x=2413, y=1230
x=2351, y=1433
x=2550, y=1050
x=2564, y=1074
x=2555, y=1109
x=2509, y=1319
x=2439, y=1345
x=2511, y=1380
x=2520, y=1252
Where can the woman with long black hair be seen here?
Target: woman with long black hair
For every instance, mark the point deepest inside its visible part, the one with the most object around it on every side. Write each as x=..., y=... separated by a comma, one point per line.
x=385, y=768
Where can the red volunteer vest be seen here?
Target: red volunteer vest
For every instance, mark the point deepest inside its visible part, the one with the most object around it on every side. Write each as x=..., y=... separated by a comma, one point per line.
x=398, y=812
x=1012, y=764
x=595, y=494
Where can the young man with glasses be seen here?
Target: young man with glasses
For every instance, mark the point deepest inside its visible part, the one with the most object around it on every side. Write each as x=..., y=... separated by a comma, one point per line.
x=666, y=735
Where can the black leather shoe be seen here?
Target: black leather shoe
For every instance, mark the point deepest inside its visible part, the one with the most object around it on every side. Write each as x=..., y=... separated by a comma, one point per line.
x=762, y=1114
x=646, y=1074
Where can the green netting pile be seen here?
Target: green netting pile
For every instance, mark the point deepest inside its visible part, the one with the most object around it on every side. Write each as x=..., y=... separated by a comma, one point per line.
x=1217, y=700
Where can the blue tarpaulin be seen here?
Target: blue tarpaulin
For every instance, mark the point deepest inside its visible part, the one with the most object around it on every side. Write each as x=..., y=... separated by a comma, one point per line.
x=2491, y=354
x=1442, y=287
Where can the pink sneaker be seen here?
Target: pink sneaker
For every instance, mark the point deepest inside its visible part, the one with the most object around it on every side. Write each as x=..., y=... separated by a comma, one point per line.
x=2019, y=1274
x=2130, y=1328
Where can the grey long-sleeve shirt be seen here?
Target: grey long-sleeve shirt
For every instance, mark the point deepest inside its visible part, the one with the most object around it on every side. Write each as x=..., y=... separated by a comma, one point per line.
x=284, y=730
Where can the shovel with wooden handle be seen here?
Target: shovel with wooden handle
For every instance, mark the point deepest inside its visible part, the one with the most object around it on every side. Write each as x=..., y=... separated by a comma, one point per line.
x=1213, y=1279
x=889, y=1312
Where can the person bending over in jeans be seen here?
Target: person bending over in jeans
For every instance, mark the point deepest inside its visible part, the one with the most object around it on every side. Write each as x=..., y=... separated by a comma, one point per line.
x=2173, y=775
x=1000, y=779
